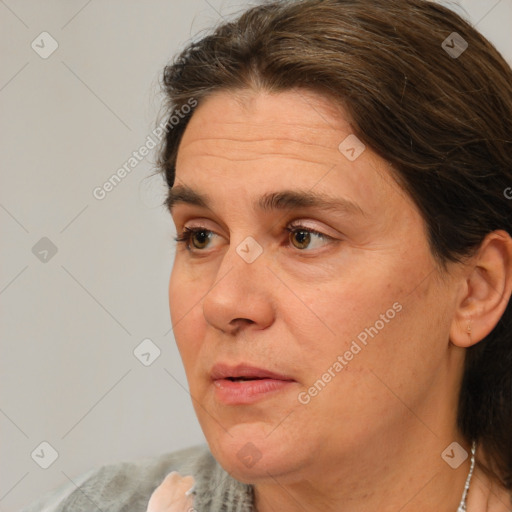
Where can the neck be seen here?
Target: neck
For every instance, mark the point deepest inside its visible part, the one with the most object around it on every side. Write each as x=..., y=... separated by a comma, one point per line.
x=400, y=476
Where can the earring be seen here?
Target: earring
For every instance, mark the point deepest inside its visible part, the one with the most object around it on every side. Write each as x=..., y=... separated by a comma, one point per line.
x=469, y=328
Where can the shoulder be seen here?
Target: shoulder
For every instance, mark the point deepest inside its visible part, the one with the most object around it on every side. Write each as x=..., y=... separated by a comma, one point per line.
x=127, y=485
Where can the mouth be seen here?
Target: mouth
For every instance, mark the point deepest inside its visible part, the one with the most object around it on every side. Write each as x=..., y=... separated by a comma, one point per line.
x=241, y=379
x=246, y=384
x=244, y=371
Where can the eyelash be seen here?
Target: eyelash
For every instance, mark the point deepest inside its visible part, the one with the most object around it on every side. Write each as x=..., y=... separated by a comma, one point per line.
x=188, y=233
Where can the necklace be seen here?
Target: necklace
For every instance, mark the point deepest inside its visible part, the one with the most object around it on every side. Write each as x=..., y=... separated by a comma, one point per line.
x=462, y=506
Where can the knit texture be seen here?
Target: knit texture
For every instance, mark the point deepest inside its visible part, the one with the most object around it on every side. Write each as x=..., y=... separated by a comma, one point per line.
x=127, y=487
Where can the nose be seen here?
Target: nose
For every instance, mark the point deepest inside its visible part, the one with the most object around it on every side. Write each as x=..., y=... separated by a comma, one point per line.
x=242, y=294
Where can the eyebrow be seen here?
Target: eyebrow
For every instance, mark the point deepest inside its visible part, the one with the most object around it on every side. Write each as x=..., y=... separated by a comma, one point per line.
x=282, y=200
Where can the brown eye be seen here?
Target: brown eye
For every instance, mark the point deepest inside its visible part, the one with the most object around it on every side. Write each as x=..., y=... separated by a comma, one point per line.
x=305, y=238
x=200, y=238
x=300, y=238
x=195, y=238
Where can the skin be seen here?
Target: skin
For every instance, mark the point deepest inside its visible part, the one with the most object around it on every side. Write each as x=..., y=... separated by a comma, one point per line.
x=372, y=438
x=170, y=495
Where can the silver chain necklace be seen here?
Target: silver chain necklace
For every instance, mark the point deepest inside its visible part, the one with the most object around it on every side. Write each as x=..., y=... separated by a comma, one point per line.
x=462, y=506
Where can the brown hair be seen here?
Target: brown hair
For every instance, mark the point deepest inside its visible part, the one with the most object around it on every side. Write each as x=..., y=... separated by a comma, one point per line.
x=443, y=121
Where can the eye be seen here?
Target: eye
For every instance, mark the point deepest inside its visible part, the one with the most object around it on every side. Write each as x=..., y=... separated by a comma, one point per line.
x=302, y=237
x=197, y=237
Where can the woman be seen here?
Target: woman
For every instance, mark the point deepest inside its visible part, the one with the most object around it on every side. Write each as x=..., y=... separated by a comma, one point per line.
x=340, y=294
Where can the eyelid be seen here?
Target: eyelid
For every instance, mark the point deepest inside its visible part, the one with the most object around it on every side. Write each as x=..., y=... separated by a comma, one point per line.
x=297, y=224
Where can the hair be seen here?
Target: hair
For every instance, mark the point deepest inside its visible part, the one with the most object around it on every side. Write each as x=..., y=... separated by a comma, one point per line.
x=443, y=122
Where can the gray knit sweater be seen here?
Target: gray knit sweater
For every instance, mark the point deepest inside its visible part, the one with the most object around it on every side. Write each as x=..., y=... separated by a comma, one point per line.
x=127, y=487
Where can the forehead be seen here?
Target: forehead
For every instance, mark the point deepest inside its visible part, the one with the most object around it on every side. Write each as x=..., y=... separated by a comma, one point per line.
x=297, y=115
x=280, y=129
x=267, y=143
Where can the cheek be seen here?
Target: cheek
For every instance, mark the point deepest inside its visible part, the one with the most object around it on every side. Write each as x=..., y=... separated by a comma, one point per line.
x=176, y=290
x=185, y=305
x=339, y=311
x=395, y=334
x=383, y=342
x=373, y=316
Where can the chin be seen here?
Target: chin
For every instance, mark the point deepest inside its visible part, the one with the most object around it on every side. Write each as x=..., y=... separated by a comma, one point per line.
x=250, y=456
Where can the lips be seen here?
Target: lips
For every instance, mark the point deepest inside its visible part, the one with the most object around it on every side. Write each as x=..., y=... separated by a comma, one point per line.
x=245, y=384
x=244, y=372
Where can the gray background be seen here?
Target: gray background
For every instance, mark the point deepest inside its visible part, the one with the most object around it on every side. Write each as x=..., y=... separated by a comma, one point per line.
x=71, y=323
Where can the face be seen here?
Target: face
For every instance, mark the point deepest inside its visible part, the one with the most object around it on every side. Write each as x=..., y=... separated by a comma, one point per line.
x=307, y=271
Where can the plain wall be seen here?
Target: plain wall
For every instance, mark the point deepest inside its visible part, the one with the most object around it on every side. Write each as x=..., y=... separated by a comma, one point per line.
x=71, y=323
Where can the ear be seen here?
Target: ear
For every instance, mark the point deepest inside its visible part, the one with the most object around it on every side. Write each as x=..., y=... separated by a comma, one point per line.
x=485, y=290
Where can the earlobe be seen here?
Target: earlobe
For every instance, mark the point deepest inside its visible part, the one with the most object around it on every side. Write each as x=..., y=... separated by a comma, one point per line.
x=485, y=292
